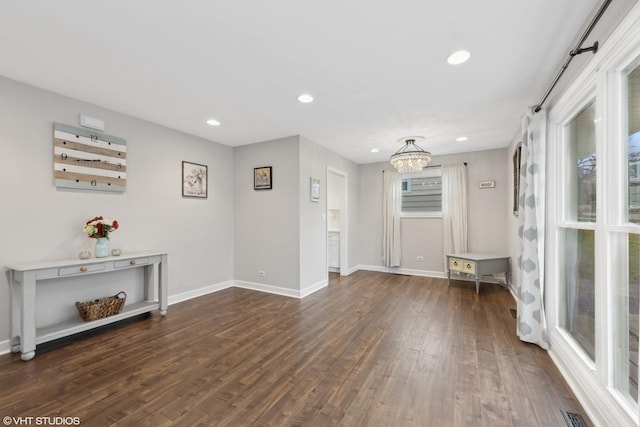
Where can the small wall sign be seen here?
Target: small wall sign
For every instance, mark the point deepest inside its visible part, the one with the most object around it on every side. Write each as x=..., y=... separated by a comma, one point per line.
x=487, y=184
x=315, y=190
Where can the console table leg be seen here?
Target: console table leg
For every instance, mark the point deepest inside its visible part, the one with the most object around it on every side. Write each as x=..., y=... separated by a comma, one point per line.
x=477, y=284
x=28, y=355
x=28, y=316
x=15, y=308
x=163, y=287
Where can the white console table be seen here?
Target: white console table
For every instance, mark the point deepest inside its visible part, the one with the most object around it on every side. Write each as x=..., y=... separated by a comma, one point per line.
x=478, y=265
x=24, y=282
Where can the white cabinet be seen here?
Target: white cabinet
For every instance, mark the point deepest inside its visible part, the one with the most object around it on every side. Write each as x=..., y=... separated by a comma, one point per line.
x=334, y=249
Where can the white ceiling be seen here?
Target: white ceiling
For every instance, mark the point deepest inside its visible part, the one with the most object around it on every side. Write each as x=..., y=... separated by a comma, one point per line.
x=377, y=69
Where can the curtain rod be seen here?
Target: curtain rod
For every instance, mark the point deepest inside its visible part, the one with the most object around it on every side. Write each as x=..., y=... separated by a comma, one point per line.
x=576, y=51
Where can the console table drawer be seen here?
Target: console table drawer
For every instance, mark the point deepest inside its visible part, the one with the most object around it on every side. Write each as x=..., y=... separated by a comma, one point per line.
x=456, y=264
x=469, y=267
x=131, y=262
x=462, y=265
x=80, y=269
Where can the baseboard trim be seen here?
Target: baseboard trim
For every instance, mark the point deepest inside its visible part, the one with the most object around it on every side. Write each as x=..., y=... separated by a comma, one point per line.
x=270, y=289
x=4, y=347
x=423, y=273
x=313, y=288
x=184, y=296
x=349, y=271
x=400, y=270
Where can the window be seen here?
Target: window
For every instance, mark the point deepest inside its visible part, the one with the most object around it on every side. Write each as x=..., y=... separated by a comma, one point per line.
x=633, y=146
x=626, y=263
x=593, y=235
x=577, y=274
x=422, y=193
x=579, y=289
x=626, y=292
x=581, y=150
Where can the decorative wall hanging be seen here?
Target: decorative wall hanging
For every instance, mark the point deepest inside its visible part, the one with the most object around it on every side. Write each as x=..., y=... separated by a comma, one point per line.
x=262, y=178
x=315, y=190
x=487, y=184
x=194, y=180
x=88, y=160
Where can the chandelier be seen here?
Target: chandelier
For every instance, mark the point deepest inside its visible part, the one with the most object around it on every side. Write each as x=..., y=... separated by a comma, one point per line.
x=410, y=158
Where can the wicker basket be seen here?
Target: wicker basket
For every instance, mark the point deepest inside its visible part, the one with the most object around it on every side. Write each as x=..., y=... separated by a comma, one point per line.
x=103, y=307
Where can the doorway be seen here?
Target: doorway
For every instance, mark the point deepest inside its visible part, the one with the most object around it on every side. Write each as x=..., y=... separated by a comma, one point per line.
x=337, y=224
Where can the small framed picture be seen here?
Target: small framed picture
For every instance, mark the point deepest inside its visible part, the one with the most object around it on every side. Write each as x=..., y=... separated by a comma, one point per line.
x=262, y=178
x=315, y=190
x=194, y=180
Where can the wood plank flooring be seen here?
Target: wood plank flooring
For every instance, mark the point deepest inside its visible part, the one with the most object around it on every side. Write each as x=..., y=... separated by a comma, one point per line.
x=371, y=349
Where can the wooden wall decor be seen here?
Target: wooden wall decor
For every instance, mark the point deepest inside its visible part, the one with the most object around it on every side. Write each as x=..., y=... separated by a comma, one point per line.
x=88, y=160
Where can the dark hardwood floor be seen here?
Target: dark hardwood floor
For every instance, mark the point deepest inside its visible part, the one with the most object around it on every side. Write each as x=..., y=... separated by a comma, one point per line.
x=372, y=349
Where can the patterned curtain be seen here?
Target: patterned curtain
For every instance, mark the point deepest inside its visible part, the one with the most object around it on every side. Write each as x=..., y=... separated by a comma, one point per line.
x=532, y=325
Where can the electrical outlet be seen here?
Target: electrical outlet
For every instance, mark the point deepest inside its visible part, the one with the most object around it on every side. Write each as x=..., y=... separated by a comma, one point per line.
x=261, y=273
x=420, y=258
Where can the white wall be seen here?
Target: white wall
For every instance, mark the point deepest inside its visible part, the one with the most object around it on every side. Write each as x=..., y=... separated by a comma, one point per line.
x=267, y=223
x=314, y=161
x=39, y=222
x=487, y=213
x=313, y=237
x=281, y=231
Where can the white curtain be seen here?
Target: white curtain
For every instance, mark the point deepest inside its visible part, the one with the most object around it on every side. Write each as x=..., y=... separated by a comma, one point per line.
x=391, y=207
x=532, y=325
x=454, y=209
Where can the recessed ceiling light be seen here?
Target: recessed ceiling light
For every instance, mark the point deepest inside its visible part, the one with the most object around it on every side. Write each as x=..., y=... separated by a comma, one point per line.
x=305, y=98
x=459, y=57
x=461, y=138
x=213, y=122
x=375, y=150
